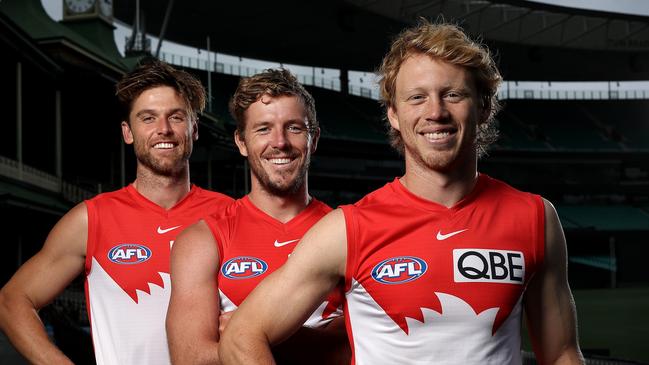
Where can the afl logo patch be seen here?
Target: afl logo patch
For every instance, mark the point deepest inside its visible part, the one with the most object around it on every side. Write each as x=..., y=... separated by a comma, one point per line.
x=243, y=267
x=399, y=270
x=129, y=254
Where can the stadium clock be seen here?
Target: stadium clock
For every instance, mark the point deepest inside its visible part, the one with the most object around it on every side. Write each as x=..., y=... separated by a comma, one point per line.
x=88, y=9
x=78, y=6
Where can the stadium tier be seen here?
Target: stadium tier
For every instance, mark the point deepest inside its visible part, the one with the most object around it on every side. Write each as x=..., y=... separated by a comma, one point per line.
x=569, y=125
x=604, y=218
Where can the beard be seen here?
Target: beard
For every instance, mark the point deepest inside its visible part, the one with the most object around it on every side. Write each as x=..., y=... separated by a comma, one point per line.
x=441, y=159
x=169, y=166
x=281, y=187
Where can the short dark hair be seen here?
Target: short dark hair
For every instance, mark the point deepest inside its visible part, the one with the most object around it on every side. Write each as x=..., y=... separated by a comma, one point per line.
x=151, y=72
x=271, y=82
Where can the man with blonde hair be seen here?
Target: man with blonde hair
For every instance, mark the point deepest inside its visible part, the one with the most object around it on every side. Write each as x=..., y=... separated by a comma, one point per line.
x=439, y=264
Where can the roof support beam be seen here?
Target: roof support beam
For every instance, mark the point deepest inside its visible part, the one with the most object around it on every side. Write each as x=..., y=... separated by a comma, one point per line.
x=584, y=33
x=509, y=21
x=545, y=29
x=163, y=29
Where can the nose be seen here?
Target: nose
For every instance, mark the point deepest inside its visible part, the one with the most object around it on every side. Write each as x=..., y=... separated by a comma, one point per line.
x=278, y=138
x=436, y=109
x=164, y=126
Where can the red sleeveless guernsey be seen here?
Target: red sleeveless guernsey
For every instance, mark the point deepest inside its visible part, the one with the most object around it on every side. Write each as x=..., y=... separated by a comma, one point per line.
x=252, y=245
x=426, y=284
x=127, y=270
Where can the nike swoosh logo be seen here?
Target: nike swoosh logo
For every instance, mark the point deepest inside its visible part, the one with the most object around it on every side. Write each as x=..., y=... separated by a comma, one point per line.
x=280, y=244
x=163, y=231
x=442, y=237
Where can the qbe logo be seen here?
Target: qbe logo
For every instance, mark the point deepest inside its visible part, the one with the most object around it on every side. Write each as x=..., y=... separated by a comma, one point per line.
x=129, y=254
x=243, y=267
x=399, y=270
x=488, y=266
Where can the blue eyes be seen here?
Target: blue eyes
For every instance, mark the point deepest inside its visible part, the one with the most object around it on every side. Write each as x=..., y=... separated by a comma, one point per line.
x=295, y=129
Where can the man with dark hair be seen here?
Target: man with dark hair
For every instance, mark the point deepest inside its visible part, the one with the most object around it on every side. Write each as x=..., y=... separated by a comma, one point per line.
x=219, y=260
x=439, y=264
x=122, y=239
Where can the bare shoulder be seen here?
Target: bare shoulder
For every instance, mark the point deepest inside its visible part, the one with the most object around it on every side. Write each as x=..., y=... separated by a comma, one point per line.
x=550, y=211
x=70, y=234
x=333, y=222
x=555, y=241
x=329, y=230
x=196, y=242
x=325, y=245
x=198, y=233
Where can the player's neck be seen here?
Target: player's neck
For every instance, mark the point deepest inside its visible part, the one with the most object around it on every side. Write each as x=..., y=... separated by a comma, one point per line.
x=281, y=208
x=165, y=191
x=442, y=187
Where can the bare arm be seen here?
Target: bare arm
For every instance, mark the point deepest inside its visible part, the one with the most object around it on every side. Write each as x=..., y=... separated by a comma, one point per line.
x=38, y=282
x=549, y=305
x=327, y=345
x=282, y=302
x=193, y=314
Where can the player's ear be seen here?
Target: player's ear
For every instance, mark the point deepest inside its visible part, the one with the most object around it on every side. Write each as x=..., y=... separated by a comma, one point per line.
x=393, y=118
x=195, y=129
x=315, y=137
x=241, y=144
x=127, y=134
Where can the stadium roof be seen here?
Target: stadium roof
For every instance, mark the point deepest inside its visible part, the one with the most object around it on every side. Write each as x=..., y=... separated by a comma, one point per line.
x=354, y=33
x=611, y=25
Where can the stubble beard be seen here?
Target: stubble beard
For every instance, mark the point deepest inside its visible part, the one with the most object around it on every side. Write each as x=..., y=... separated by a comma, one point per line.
x=167, y=167
x=276, y=188
x=441, y=160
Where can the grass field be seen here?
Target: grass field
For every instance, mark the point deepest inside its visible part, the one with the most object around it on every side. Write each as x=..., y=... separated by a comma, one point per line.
x=614, y=321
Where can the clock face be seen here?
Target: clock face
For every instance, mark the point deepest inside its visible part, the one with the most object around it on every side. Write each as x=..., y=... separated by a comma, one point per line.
x=79, y=6
x=106, y=7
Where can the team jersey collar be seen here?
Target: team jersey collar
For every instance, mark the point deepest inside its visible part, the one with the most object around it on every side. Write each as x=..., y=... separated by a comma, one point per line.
x=295, y=221
x=425, y=204
x=143, y=201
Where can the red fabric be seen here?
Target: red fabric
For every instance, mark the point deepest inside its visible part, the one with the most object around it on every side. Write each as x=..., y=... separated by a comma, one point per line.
x=394, y=223
x=248, y=235
x=125, y=217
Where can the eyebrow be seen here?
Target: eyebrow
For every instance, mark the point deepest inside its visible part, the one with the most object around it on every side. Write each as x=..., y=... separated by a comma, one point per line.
x=417, y=89
x=288, y=121
x=296, y=121
x=155, y=112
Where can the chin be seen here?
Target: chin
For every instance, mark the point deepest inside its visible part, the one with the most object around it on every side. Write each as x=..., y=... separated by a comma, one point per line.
x=285, y=187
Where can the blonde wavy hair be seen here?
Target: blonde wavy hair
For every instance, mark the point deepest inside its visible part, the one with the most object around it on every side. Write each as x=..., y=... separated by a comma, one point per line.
x=449, y=43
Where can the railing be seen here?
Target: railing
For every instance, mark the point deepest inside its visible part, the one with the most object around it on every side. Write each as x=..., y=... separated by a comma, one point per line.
x=76, y=194
x=534, y=90
x=243, y=67
x=200, y=59
x=14, y=169
x=365, y=92
x=21, y=172
x=364, y=84
x=587, y=90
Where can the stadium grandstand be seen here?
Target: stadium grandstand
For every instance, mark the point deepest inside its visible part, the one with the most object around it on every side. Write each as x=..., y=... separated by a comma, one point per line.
x=574, y=125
